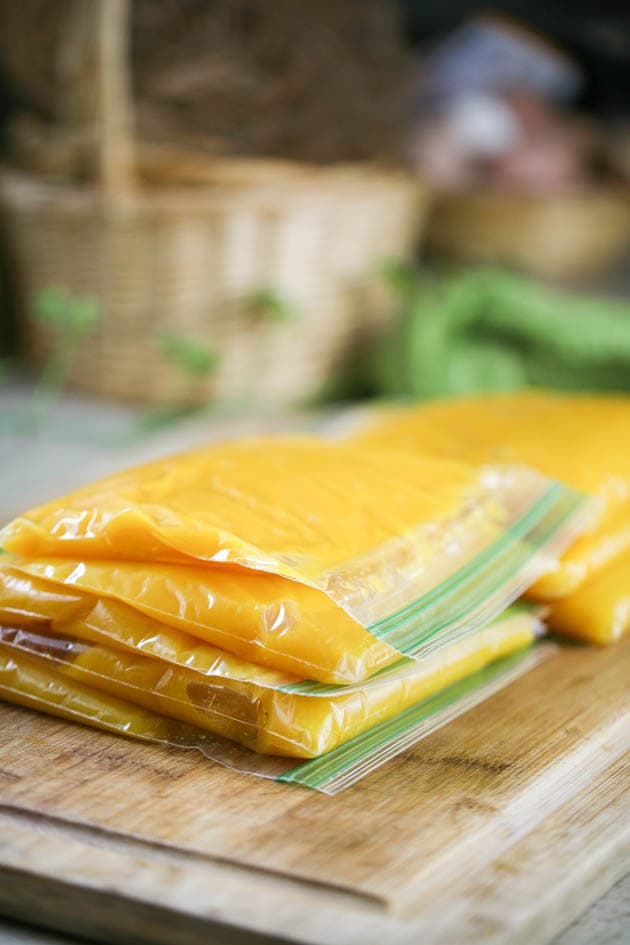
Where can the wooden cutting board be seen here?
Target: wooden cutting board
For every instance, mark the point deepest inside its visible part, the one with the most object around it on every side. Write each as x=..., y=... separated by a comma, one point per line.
x=500, y=828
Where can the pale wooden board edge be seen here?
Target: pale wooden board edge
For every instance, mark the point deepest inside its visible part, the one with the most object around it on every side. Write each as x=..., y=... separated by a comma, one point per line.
x=528, y=894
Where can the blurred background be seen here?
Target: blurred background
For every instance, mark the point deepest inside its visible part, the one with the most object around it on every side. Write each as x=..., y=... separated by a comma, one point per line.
x=234, y=208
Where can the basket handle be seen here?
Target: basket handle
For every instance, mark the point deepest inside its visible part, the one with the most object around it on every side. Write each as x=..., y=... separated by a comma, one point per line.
x=93, y=64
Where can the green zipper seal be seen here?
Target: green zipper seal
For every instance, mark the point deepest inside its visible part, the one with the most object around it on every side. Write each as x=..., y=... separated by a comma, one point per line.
x=476, y=582
x=516, y=531
x=487, y=571
x=317, y=772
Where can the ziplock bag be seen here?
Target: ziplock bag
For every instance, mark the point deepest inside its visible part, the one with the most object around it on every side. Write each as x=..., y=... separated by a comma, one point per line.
x=27, y=678
x=599, y=610
x=311, y=558
x=286, y=720
x=34, y=604
x=578, y=439
x=30, y=602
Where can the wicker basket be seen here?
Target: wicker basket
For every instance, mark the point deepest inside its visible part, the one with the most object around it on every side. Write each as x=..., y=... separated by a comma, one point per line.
x=167, y=245
x=556, y=236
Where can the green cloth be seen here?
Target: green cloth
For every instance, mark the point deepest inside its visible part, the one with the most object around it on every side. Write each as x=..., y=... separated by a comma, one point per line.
x=487, y=330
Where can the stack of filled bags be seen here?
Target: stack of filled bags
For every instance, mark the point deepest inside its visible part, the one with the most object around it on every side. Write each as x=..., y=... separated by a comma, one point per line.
x=581, y=440
x=280, y=599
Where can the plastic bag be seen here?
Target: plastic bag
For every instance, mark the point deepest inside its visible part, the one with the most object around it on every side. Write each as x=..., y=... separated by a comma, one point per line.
x=313, y=559
x=581, y=440
x=599, y=611
x=291, y=718
x=587, y=557
x=35, y=674
x=30, y=602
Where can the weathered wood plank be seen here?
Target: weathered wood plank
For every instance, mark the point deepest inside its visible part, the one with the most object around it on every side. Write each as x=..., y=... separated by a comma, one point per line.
x=117, y=890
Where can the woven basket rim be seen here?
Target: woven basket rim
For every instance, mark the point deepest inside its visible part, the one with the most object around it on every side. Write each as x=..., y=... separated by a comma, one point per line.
x=19, y=188
x=611, y=192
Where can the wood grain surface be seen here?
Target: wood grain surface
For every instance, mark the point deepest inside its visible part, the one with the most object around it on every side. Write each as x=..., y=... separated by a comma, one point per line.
x=518, y=812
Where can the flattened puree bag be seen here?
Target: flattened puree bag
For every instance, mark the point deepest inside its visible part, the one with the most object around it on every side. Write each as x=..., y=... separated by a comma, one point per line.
x=80, y=682
x=599, y=610
x=581, y=440
x=28, y=680
x=310, y=558
x=288, y=720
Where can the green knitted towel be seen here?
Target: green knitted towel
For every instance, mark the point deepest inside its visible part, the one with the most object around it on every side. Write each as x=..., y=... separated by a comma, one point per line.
x=484, y=330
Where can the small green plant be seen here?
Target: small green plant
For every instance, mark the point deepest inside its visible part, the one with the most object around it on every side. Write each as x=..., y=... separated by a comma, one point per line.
x=194, y=362
x=194, y=359
x=272, y=306
x=401, y=276
x=71, y=318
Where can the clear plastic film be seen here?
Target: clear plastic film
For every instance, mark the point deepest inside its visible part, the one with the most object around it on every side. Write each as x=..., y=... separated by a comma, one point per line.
x=313, y=559
x=294, y=719
x=577, y=439
x=50, y=677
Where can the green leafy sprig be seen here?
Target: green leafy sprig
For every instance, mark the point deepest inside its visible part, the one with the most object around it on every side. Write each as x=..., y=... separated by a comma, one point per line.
x=272, y=306
x=71, y=318
x=194, y=361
